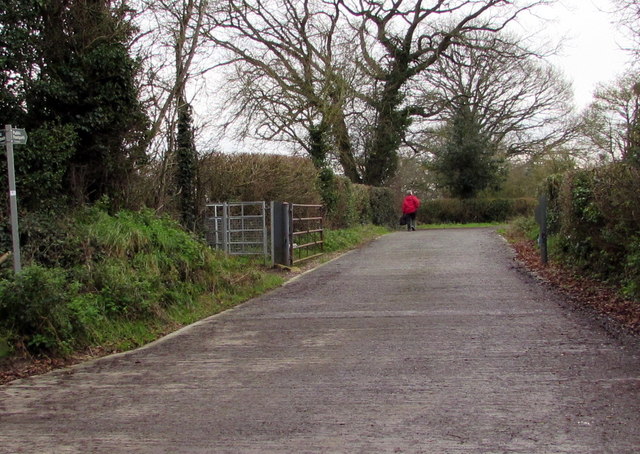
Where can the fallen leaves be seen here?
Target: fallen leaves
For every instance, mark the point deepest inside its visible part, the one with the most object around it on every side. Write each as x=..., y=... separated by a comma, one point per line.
x=598, y=296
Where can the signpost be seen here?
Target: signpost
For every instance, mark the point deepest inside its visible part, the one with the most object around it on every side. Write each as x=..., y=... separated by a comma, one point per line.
x=10, y=137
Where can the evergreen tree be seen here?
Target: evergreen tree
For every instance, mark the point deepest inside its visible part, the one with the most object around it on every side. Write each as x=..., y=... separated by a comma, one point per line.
x=467, y=162
x=186, y=161
x=319, y=151
x=70, y=82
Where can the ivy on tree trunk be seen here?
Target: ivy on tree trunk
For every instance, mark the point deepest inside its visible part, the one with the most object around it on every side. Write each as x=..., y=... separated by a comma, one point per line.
x=186, y=163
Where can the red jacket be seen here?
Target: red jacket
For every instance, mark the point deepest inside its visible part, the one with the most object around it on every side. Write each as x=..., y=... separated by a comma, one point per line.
x=410, y=204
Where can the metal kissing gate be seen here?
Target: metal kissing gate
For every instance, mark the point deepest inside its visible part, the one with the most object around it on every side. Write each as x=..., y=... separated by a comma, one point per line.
x=237, y=228
x=287, y=233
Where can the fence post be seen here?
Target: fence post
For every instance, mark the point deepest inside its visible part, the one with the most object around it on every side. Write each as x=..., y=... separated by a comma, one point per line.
x=272, y=229
x=265, y=245
x=541, y=217
x=289, y=234
x=280, y=232
x=225, y=235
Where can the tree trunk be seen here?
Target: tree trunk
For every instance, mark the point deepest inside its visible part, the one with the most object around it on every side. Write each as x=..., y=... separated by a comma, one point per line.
x=345, y=151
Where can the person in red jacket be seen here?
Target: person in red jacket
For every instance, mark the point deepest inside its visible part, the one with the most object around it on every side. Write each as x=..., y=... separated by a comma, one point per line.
x=410, y=206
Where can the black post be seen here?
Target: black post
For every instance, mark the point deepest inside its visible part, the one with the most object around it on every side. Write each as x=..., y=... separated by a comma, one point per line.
x=541, y=218
x=280, y=234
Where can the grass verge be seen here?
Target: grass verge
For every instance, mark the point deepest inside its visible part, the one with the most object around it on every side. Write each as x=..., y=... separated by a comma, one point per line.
x=602, y=300
x=345, y=239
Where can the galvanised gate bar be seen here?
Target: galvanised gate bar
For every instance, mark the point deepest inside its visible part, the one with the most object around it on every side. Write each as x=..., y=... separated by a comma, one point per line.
x=238, y=228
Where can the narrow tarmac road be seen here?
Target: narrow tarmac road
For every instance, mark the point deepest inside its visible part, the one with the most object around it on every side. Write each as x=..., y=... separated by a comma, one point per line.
x=421, y=342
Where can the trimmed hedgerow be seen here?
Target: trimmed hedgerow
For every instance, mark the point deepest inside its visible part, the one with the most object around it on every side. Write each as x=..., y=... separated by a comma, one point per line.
x=358, y=204
x=463, y=211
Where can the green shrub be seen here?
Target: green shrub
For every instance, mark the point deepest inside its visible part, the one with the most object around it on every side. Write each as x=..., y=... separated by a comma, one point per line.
x=342, y=215
x=88, y=309
x=46, y=237
x=327, y=189
x=125, y=291
x=358, y=204
x=524, y=226
x=34, y=309
x=133, y=268
x=631, y=280
x=383, y=207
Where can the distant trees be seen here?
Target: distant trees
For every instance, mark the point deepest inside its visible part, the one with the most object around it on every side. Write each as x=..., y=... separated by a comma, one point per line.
x=175, y=59
x=497, y=101
x=521, y=103
x=467, y=162
x=629, y=17
x=399, y=41
x=102, y=86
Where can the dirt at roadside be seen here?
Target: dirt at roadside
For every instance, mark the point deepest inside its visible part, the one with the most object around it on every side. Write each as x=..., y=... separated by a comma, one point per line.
x=602, y=300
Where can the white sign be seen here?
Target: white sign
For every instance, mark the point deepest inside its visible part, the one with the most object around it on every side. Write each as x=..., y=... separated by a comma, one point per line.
x=18, y=136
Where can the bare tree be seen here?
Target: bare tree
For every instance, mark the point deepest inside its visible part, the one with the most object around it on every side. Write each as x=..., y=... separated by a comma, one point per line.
x=402, y=39
x=522, y=103
x=344, y=64
x=290, y=70
x=174, y=55
x=611, y=121
x=629, y=17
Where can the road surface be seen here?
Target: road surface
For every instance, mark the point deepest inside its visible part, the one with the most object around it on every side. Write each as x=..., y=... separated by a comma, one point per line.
x=421, y=342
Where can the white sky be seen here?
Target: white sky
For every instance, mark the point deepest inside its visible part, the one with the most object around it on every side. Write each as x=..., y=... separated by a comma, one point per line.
x=592, y=46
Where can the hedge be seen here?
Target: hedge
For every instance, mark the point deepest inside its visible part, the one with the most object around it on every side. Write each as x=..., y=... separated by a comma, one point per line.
x=594, y=222
x=357, y=204
x=461, y=211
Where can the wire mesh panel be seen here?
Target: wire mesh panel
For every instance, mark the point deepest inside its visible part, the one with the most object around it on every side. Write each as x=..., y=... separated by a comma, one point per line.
x=238, y=228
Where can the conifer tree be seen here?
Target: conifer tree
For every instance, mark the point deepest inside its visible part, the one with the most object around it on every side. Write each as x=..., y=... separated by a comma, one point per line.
x=467, y=162
x=186, y=167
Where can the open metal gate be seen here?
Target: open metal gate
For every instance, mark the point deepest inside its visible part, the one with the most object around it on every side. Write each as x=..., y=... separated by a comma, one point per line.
x=307, y=232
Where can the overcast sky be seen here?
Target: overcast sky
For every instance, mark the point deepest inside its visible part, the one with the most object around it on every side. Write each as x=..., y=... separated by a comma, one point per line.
x=592, y=51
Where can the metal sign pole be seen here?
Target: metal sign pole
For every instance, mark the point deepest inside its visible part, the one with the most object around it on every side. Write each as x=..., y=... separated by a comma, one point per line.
x=13, y=199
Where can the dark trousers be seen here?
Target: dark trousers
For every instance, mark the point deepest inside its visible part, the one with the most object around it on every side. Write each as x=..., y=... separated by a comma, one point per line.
x=411, y=221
